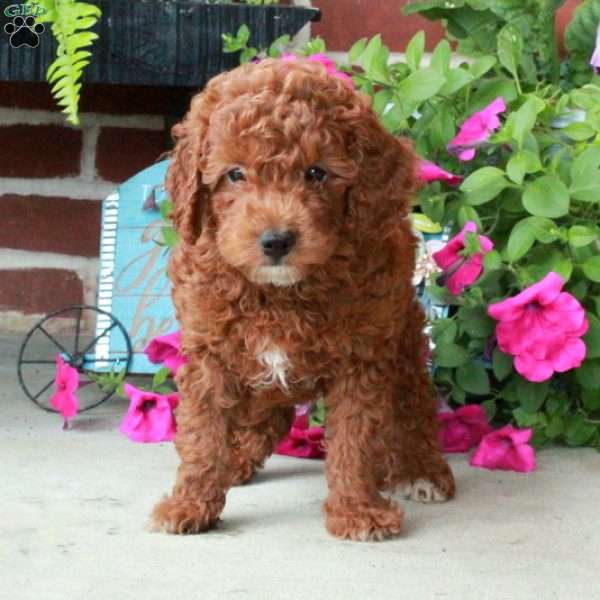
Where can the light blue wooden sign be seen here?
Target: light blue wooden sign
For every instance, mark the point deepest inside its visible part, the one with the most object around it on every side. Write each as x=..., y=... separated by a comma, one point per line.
x=132, y=282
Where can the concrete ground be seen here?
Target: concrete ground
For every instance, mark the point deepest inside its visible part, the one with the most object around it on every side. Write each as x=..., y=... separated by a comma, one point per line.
x=73, y=506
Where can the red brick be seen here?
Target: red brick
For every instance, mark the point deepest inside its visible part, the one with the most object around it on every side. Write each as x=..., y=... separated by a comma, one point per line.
x=34, y=291
x=122, y=152
x=99, y=98
x=39, y=151
x=344, y=22
x=47, y=224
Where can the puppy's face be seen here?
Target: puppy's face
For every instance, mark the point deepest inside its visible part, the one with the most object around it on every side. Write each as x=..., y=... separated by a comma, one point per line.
x=279, y=174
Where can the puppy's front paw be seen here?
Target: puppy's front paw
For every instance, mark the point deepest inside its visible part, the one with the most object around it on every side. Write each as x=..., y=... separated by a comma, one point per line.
x=185, y=516
x=364, y=523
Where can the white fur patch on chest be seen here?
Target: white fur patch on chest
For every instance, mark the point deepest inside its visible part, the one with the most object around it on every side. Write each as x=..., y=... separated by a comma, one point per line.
x=277, y=364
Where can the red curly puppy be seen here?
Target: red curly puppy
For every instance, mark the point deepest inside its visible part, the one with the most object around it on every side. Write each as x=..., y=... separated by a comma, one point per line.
x=292, y=280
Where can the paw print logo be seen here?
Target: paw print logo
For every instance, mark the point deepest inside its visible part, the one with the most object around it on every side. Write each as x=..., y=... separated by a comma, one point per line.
x=24, y=32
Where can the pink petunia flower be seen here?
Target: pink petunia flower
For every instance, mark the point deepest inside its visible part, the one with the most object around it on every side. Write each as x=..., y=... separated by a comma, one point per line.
x=463, y=428
x=595, y=60
x=66, y=383
x=506, y=448
x=429, y=172
x=542, y=328
x=476, y=130
x=166, y=350
x=461, y=271
x=303, y=441
x=150, y=416
x=329, y=65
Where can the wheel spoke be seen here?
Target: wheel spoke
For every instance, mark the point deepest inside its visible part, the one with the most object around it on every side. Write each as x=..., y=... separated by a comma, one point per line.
x=43, y=389
x=77, y=327
x=55, y=342
x=38, y=362
x=93, y=342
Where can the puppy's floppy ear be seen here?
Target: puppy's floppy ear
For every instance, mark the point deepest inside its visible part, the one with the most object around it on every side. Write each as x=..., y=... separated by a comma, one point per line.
x=387, y=180
x=184, y=179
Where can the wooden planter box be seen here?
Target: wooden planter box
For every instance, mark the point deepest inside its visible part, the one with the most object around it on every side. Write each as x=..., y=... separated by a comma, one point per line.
x=159, y=42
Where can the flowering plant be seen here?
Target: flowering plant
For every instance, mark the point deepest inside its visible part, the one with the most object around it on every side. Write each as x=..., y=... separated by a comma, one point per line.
x=510, y=147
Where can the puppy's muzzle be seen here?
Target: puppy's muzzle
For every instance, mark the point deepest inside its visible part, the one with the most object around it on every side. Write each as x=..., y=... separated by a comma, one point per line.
x=276, y=244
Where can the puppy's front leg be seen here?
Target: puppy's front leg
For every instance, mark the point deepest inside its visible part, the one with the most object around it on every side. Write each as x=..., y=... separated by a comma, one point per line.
x=198, y=496
x=359, y=417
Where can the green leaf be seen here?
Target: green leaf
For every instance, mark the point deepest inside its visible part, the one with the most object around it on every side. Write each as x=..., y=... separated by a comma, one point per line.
x=556, y=427
x=510, y=48
x=357, y=49
x=243, y=35
x=170, y=236
x=490, y=89
x=545, y=230
x=160, y=377
x=592, y=337
x=591, y=268
x=532, y=395
x=502, y=364
x=585, y=176
x=441, y=56
x=482, y=65
x=588, y=375
x=547, y=196
x=414, y=50
x=578, y=431
x=473, y=379
x=420, y=85
x=591, y=400
x=444, y=331
x=491, y=408
x=458, y=395
x=165, y=208
x=455, y=80
x=466, y=214
x=374, y=60
x=525, y=118
x=483, y=185
x=579, y=132
x=580, y=236
x=524, y=418
x=475, y=321
x=247, y=55
x=522, y=163
x=381, y=100
x=492, y=261
x=450, y=355
x=277, y=48
x=520, y=241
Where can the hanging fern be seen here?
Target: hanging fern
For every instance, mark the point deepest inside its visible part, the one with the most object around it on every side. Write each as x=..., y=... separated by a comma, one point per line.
x=69, y=21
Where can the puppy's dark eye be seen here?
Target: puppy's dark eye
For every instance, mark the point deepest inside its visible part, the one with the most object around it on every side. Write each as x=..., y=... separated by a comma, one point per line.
x=316, y=174
x=236, y=175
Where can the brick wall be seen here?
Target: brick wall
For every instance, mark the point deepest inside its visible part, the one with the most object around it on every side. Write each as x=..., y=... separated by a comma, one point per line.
x=53, y=178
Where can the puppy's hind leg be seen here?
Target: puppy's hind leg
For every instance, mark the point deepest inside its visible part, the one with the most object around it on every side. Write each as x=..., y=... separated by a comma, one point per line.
x=251, y=445
x=421, y=472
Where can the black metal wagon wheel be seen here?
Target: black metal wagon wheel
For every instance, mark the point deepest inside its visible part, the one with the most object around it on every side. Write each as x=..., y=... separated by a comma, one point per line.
x=84, y=336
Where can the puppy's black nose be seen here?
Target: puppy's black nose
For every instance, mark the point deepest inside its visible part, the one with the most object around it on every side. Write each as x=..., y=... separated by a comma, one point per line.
x=276, y=244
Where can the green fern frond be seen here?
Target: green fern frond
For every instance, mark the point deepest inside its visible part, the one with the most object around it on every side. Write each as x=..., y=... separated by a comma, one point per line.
x=69, y=21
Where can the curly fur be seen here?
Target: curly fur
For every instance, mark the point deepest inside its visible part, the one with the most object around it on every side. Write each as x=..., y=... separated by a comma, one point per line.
x=340, y=313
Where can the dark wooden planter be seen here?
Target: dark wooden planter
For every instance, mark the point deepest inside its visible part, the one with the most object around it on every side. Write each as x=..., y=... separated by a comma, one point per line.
x=158, y=42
